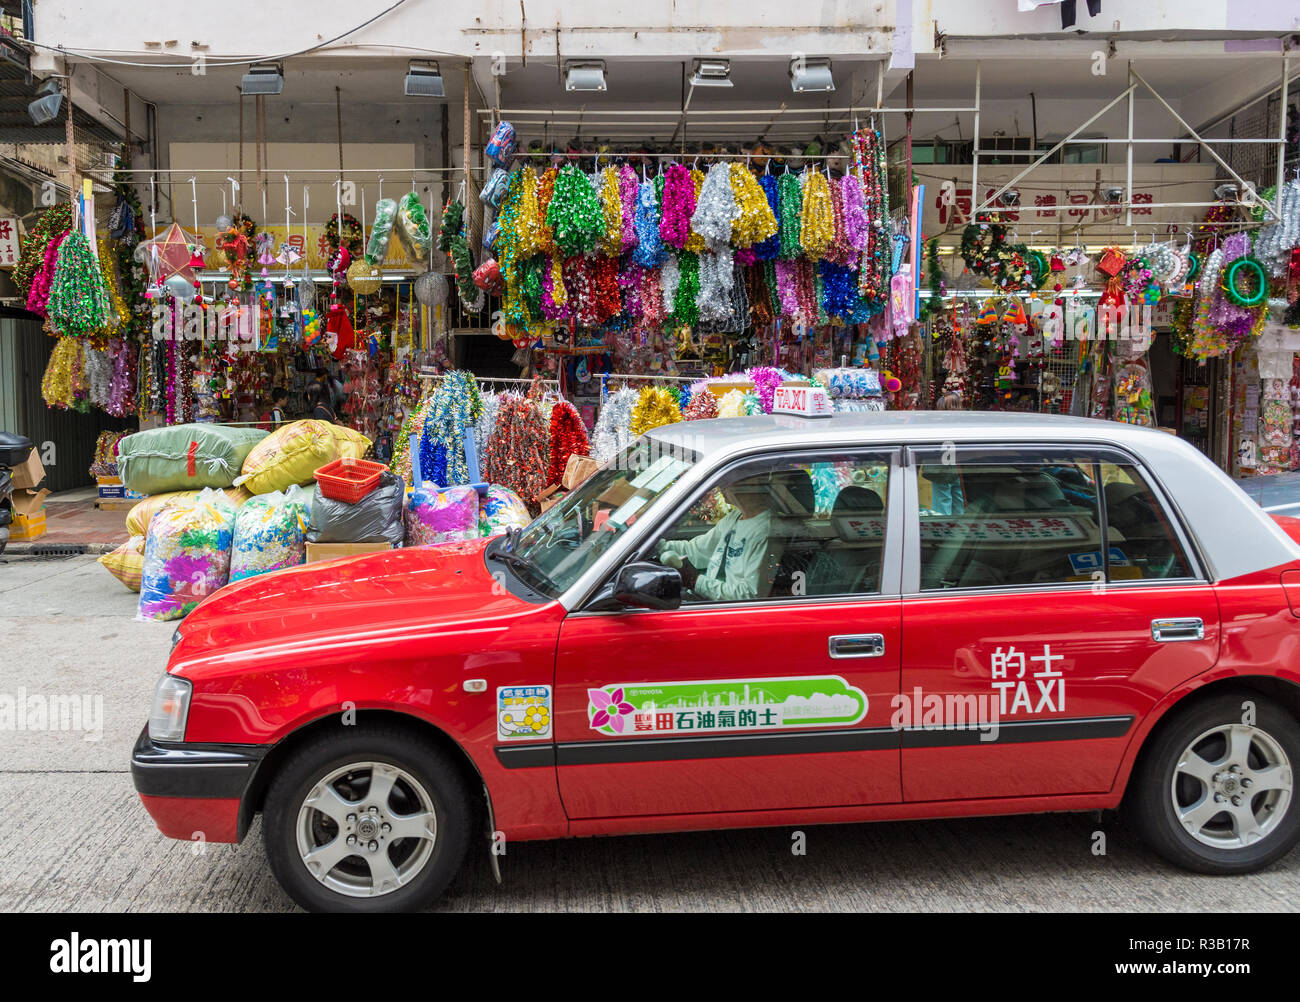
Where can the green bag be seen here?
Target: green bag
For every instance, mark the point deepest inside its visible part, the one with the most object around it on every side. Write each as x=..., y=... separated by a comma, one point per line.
x=184, y=457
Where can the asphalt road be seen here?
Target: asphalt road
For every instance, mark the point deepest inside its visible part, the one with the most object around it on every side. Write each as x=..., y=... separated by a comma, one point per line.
x=76, y=838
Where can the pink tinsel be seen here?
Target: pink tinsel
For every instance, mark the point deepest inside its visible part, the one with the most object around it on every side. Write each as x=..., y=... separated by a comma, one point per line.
x=121, y=390
x=745, y=256
x=787, y=288
x=855, y=213
x=678, y=206
x=765, y=380
x=38, y=296
x=628, y=189
x=1224, y=312
x=652, y=300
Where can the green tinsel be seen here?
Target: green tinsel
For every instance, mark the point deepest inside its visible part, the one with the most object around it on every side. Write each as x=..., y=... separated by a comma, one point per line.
x=79, y=303
x=575, y=214
x=789, y=208
x=531, y=284
x=769, y=280
x=53, y=221
x=131, y=274
x=450, y=227
x=685, y=311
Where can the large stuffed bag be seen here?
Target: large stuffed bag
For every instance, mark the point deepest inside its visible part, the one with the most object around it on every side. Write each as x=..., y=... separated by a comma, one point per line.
x=126, y=563
x=137, y=519
x=293, y=453
x=184, y=457
x=186, y=555
x=270, y=533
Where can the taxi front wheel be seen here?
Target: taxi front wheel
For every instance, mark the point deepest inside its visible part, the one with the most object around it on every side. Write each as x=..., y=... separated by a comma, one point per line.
x=373, y=820
x=1214, y=792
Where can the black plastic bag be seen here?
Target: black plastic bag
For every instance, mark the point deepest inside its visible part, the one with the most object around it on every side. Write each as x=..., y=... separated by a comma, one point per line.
x=376, y=518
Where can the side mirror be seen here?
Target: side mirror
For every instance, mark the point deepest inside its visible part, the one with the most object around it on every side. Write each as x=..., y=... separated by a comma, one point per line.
x=646, y=585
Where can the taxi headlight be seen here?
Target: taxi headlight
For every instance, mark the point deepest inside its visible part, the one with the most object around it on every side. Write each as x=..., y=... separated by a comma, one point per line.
x=171, y=705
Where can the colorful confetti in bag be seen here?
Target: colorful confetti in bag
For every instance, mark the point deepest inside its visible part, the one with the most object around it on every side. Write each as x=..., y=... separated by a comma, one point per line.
x=186, y=555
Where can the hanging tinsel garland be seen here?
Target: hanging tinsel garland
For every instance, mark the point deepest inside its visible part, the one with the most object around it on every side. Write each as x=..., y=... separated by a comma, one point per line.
x=453, y=411
x=650, y=251
x=654, y=408
x=613, y=432
x=38, y=293
x=769, y=248
x=59, y=384
x=816, y=215
x=568, y=437
x=678, y=207
x=717, y=211
x=79, y=302
x=611, y=207
x=54, y=222
x=574, y=213
x=756, y=221
x=790, y=199
x=516, y=454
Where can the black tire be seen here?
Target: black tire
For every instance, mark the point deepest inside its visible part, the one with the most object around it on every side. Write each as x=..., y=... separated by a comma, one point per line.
x=1150, y=799
x=431, y=766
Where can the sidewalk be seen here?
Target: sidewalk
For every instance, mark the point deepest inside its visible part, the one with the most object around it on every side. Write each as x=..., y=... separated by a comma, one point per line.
x=72, y=520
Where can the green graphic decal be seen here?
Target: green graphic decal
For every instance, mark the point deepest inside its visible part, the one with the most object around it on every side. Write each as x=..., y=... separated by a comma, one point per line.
x=750, y=704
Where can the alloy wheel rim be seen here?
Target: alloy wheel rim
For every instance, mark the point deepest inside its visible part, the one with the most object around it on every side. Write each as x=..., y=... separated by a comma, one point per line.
x=366, y=829
x=1231, y=786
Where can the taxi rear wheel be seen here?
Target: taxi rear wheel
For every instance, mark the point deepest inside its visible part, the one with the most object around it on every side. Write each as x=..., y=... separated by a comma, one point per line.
x=1215, y=792
x=375, y=820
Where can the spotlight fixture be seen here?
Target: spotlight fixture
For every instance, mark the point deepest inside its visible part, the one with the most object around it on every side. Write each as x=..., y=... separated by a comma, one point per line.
x=584, y=75
x=423, y=79
x=807, y=75
x=262, y=78
x=49, y=101
x=1223, y=192
x=711, y=73
x=1112, y=195
x=1010, y=197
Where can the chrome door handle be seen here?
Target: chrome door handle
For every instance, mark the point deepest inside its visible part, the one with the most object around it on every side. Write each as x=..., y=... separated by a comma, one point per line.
x=1170, y=630
x=862, y=645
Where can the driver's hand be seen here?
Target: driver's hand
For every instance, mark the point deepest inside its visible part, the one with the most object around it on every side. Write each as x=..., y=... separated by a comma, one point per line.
x=689, y=574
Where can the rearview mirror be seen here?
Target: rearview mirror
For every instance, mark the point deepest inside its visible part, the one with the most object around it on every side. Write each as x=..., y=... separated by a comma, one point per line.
x=645, y=585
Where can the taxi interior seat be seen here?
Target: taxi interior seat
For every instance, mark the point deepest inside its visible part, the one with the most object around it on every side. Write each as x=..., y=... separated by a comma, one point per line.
x=843, y=568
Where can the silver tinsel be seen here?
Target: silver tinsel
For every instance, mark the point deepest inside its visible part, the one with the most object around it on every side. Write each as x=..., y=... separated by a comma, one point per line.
x=431, y=288
x=613, y=431
x=716, y=210
x=1275, y=243
x=670, y=276
x=717, y=273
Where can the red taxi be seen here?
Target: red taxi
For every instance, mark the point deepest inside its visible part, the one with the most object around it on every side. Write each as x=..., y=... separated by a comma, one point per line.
x=760, y=621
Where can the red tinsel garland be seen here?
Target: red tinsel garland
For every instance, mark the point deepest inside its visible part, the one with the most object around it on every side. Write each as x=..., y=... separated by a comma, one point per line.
x=568, y=438
x=516, y=452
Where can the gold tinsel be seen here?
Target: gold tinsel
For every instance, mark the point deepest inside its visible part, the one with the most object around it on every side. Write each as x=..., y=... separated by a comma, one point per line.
x=62, y=375
x=528, y=224
x=121, y=313
x=654, y=408
x=756, y=222
x=817, y=220
x=611, y=203
x=695, y=243
x=545, y=191
x=559, y=295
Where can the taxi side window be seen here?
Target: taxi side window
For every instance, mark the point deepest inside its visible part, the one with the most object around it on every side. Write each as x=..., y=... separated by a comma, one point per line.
x=1141, y=537
x=996, y=524
x=781, y=529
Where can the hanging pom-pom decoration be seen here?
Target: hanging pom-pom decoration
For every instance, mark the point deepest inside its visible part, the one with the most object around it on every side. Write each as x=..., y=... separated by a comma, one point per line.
x=702, y=407
x=567, y=438
x=613, y=432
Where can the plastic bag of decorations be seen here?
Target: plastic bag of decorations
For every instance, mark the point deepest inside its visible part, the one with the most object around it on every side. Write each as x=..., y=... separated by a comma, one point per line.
x=441, y=515
x=270, y=533
x=187, y=555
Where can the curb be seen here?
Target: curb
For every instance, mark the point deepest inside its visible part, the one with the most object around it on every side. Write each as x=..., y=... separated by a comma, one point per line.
x=39, y=549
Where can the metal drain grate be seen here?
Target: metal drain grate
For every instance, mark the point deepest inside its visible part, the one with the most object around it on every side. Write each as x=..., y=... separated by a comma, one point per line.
x=54, y=550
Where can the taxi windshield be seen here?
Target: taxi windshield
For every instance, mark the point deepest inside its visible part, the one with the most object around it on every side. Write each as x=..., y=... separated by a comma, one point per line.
x=570, y=536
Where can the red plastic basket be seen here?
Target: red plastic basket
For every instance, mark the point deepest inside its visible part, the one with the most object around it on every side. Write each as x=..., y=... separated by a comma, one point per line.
x=349, y=479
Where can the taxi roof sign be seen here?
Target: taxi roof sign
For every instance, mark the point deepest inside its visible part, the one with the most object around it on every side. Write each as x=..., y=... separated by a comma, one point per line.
x=805, y=401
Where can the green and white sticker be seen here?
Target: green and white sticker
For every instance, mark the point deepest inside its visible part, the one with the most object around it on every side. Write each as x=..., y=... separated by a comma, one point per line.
x=752, y=704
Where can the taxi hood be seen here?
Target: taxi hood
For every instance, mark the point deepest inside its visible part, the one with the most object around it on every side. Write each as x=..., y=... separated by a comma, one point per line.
x=381, y=594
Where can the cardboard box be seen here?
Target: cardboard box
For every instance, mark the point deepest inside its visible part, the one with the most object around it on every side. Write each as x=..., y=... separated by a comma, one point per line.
x=576, y=470
x=328, y=551
x=550, y=497
x=31, y=473
x=29, y=514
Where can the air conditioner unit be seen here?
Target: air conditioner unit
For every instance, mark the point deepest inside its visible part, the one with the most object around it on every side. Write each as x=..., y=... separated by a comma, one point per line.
x=423, y=79
x=265, y=78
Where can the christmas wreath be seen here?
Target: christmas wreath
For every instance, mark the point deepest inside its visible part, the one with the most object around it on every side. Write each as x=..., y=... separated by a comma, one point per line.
x=1245, y=282
x=353, y=238
x=986, y=252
